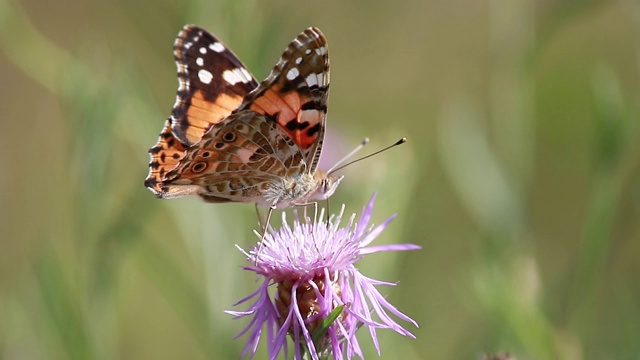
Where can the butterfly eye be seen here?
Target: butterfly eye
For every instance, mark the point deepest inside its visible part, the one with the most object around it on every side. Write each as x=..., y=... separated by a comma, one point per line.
x=199, y=167
x=229, y=137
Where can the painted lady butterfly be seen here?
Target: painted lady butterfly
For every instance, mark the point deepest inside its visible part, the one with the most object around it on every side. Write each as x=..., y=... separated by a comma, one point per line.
x=229, y=139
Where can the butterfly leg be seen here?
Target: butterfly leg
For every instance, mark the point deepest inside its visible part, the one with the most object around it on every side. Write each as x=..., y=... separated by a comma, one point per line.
x=264, y=231
x=304, y=210
x=262, y=227
x=327, y=211
x=315, y=211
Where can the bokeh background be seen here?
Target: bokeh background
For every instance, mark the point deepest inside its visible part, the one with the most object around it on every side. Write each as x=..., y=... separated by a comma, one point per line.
x=521, y=178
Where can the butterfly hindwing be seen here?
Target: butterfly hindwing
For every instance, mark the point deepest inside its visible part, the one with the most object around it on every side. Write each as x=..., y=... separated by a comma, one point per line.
x=295, y=93
x=165, y=155
x=212, y=83
x=238, y=160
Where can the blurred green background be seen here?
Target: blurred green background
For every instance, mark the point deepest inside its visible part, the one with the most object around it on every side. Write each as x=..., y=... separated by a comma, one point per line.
x=521, y=178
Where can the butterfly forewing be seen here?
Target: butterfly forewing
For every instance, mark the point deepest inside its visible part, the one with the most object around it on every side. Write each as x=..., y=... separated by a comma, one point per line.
x=212, y=83
x=295, y=93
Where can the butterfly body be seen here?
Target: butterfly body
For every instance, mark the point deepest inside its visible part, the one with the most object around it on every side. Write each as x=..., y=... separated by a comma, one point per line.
x=231, y=140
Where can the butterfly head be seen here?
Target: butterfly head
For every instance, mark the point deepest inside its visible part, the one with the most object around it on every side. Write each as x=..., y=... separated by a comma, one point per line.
x=327, y=185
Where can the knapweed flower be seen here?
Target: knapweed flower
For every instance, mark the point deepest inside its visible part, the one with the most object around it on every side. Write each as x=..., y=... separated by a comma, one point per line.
x=320, y=297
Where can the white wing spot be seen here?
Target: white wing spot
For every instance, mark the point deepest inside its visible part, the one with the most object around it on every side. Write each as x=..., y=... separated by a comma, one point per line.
x=308, y=51
x=312, y=80
x=292, y=74
x=230, y=77
x=299, y=60
x=217, y=47
x=205, y=76
x=236, y=75
x=199, y=61
x=312, y=116
x=203, y=50
x=320, y=78
x=321, y=51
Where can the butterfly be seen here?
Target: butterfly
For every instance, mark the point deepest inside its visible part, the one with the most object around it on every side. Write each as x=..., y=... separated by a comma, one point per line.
x=230, y=139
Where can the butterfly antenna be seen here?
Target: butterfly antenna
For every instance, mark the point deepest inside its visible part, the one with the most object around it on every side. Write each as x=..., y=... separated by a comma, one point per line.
x=358, y=148
x=336, y=168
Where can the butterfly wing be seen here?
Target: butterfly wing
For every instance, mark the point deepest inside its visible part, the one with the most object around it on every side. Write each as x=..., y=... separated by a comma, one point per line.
x=243, y=159
x=212, y=83
x=295, y=94
x=165, y=155
x=275, y=134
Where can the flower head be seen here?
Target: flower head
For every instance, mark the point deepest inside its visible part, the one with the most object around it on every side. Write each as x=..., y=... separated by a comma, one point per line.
x=312, y=267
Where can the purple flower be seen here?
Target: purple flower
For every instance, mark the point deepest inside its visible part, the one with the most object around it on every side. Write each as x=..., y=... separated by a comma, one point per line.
x=312, y=267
